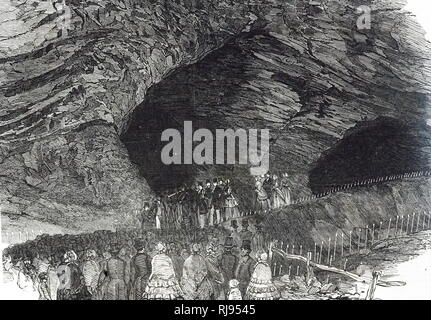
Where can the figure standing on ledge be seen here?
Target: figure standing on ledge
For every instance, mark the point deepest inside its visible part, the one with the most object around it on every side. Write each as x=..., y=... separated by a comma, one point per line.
x=277, y=195
x=285, y=188
x=261, y=196
x=145, y=214
x=202, y=207
x=231, y=204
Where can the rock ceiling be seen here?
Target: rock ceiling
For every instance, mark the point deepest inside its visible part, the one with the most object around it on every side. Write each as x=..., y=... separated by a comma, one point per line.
x=68, y=92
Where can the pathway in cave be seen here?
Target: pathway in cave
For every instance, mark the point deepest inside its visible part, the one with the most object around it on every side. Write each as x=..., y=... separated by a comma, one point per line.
x=373, y=149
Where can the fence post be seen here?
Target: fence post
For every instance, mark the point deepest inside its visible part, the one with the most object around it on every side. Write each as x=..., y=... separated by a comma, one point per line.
x=396, y=227
x=342, y=244
x=350, y=241
x=380, y=230
x=428, y=226
x=315, y=251
x=329, y=250
x=345, y=264
x=288, y=270
x=372, y=235
x=297, y=270
x=373, y=285
x=423, y=221
x=308, y=271
x=335, y=243
x=293, y=249
x=389, y=228
x=407, y=224
x=413, y=222
x=330, y=261
x=401, y=225
x=366, y=236
x=417, y=223
x=359, y=240
x=320, y=254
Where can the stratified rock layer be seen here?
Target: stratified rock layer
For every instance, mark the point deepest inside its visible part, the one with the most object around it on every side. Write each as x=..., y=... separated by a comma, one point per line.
x=68, y=88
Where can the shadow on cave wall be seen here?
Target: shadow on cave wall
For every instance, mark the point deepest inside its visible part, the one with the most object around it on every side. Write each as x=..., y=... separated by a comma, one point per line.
x=195, y=93
x=376, y=148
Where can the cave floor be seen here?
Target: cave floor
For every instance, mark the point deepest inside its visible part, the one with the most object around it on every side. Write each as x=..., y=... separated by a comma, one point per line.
x=408, y=260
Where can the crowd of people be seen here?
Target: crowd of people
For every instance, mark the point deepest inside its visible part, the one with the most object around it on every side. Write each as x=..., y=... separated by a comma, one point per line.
x=212, y=203
x=199, y=205
x=272, y=191
x=215, y=263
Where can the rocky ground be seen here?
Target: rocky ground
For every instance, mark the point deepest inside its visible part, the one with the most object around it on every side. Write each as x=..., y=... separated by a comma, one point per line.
x=404, y=262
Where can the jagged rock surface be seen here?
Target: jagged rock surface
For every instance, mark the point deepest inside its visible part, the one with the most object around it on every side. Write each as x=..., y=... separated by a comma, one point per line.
x=306, y=72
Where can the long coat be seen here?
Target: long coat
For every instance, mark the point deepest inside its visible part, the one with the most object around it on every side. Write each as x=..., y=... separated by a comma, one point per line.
x=140, y=270
x=244, y=272
x=195, y=280
x=216, y=277
x=116, y=289
x=228, y=265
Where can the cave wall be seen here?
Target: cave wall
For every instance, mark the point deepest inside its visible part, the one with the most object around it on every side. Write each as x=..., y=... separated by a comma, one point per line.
x=316, y=221
x=312, y=87
x=68, y=92
x=67, y=89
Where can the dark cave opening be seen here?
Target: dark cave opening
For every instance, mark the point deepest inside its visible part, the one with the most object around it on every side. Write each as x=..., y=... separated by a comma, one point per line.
x=197, y=93
x=373, y=149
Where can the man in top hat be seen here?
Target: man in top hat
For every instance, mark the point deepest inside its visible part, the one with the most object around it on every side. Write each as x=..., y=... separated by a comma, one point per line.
x=145, y=214
x=216, y=206
x=228, y=263
x=208, y=196
x=257, y=242
x=177, y=259
x=235, y=234
x=116, y=272
x=202, y=205
x=140, y=270
x=245, y=267
x=245, y=234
